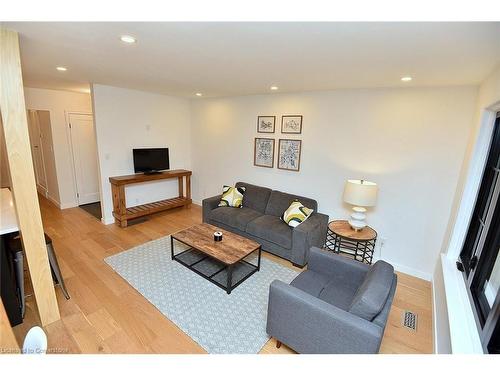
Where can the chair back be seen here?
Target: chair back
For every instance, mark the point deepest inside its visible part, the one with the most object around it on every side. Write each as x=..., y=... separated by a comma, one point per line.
x=371, y=296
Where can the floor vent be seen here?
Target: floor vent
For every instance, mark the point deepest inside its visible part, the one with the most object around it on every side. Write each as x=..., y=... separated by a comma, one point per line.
x=410, y=320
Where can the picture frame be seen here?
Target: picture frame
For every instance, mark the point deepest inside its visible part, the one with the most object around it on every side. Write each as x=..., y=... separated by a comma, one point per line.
x=263, y=152
x=291, y=124
x=289, y=151
x=266, y=124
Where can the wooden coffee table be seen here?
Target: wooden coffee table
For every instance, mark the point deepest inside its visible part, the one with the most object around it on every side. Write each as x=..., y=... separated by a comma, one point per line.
x=222, y=263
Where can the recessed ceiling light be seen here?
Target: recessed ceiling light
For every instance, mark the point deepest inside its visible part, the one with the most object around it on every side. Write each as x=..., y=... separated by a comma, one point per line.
x=274, y=88
x=406, y=79
x=61, y=68
x=198, y=94
x=128, y=39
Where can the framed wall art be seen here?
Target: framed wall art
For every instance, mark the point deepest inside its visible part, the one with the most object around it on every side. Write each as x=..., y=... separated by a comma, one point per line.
x=289, y=154
x=291, y=124
x=263, y=155
x=265, y=124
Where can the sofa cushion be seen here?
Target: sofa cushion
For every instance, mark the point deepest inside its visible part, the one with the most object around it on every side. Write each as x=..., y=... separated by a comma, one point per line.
x=272, y=229
x=372, y=294
x=232, y=196
x=234, y=217
x=339, y=292
x=296, y=214
x=279, y=202
x=311, y=282
x=256, y=197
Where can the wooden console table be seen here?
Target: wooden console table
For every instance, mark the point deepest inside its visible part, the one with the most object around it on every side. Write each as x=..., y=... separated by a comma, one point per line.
x=120, y=211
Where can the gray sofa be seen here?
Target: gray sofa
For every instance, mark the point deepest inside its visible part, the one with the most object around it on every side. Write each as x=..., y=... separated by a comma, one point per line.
x=338, y=305
x=259, y=220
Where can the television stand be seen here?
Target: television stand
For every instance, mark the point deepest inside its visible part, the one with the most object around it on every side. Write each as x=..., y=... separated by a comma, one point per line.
x=151, y=172
x=122, y=213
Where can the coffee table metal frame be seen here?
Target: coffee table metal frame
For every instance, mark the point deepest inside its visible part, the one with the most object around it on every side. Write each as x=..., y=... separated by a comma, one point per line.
x=228, y=287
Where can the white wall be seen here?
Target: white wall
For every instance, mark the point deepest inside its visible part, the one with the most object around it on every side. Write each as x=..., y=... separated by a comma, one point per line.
x=410, y=141
x=488, y=96
x=58, y=103
x=127, y=119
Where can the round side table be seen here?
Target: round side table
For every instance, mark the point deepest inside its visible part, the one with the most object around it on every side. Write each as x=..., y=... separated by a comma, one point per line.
x=360, y=245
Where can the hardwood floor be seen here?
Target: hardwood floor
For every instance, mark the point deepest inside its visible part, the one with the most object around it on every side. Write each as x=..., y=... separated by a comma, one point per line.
x=106, y=315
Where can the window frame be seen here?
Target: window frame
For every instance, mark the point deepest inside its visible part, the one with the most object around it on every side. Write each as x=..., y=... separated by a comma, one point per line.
x=485, y=244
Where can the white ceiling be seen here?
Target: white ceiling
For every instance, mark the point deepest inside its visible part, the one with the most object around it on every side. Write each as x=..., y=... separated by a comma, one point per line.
x=224, y=59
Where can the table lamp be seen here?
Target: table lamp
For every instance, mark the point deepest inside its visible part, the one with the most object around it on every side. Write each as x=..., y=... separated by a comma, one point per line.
x=360, y=194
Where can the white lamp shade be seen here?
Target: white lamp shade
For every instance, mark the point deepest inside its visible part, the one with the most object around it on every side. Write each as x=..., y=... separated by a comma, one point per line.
x=360, y=193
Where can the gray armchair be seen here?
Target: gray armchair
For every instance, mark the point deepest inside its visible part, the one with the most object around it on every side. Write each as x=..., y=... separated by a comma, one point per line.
x=338, y=305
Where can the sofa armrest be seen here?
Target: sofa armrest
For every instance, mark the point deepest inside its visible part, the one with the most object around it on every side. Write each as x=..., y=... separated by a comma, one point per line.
x=208, y=204
x=311, y=232
x=329, y=263
x=310, y=325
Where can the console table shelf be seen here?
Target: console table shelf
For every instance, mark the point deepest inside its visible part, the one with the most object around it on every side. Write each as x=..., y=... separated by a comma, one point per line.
x=122, y=213
x=149, y=208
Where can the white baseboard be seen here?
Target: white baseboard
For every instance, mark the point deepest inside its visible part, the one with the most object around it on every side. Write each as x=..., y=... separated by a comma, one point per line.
x=63, y=206
x=107, y=221
x=42, y=190
x=405, y=269
x=412, y=271
x=53, y=200
x=434, y=320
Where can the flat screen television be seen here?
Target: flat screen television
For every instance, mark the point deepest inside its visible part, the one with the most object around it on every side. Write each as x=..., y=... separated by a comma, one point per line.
x=151, y=160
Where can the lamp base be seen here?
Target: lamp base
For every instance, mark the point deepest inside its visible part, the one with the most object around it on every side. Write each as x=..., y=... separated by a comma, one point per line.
x=357, y=221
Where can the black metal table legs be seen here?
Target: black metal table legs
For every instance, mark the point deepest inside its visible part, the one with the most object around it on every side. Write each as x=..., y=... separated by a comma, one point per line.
x=215, y=271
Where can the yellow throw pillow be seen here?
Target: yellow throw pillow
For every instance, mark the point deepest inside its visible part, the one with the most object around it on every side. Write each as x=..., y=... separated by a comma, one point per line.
x=296, y=214
x=232, y=197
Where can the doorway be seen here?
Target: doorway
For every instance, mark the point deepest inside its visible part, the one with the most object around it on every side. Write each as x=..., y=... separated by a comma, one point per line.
x=42, y=152
x=36, y=140
x=85, y=163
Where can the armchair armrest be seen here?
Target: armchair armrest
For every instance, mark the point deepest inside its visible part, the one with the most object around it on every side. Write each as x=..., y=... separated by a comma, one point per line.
x=329, y=263
x=311, y=232
x=208, y=204
x=310, y=325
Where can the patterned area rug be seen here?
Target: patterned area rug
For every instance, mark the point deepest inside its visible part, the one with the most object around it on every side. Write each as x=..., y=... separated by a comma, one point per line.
x=220, y=323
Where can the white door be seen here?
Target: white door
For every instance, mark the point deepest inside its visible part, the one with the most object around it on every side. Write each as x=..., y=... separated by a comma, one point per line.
x=37, y=151
x=84, y=147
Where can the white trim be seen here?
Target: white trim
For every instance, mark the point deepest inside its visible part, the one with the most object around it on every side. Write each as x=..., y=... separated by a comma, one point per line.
x=464, y=334
x=67, y=115
x=54, y=201
x=434, y=320
x=463, y=330
x=64, y=206
x=472, y=183
x=411, y=271
x=405, y=269
x=108, y=220
x=42, y=190
x=61, y=206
